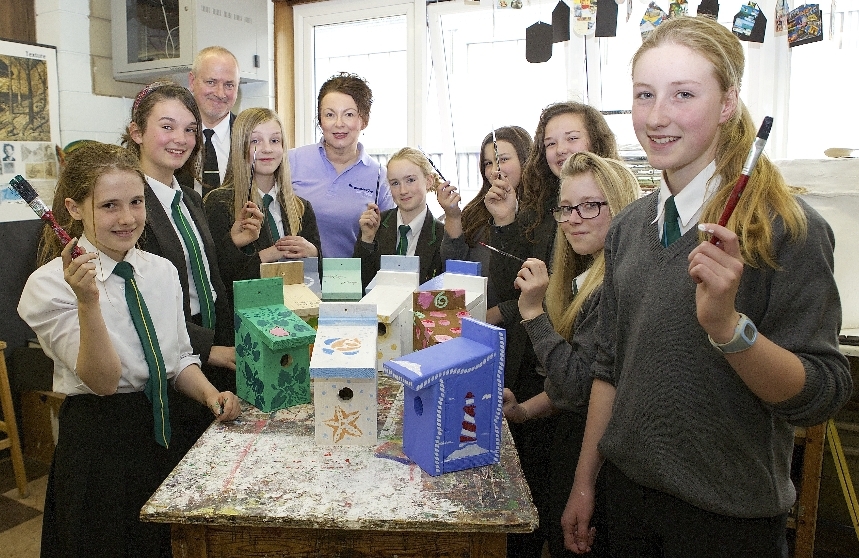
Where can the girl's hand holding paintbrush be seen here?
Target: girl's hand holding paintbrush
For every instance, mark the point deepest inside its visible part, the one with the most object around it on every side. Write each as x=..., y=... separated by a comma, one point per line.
x=80, y=273
x=247, y=226
x=501, y=199
x=717, y=269
x=532, y=280
x=369, y=221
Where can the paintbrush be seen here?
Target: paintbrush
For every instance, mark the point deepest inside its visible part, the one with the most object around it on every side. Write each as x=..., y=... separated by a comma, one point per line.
x=496, y=250
x=29, y=195
x=251, y=185
x=378, y=181
x=748, y=167
x=495, y=147
x=435, y=168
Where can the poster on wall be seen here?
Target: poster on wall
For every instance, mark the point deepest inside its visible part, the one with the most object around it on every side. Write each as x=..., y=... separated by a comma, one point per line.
x=29, y=124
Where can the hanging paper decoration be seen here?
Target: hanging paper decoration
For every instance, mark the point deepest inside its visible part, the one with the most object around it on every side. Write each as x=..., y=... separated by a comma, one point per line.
x=514, y=4
x=653, y=17
x=678, y=8
x=606, y=19
x=804, y=25
x=709, y=7
x=561, y=23
x=781, y=10
x=750, y=24
x=584, y=14
x=538, y=42
x=628, y=9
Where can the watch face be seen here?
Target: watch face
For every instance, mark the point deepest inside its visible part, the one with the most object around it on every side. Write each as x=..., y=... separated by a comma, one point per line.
x=749, y=330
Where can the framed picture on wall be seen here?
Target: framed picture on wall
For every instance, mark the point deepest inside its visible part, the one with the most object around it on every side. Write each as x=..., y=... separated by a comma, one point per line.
x=29, y=124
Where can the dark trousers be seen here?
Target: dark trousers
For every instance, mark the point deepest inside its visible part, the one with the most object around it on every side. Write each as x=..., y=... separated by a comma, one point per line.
x=644, y=523
x=533, y=441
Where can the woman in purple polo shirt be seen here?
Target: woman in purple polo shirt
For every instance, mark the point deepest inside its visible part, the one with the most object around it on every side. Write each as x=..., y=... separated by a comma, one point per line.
x=336, y=175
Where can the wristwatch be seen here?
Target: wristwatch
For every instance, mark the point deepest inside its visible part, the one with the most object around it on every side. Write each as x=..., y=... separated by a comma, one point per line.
x=745, y=335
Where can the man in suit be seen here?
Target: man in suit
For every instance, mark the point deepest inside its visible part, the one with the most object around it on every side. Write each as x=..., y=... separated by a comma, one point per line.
x=214, y=82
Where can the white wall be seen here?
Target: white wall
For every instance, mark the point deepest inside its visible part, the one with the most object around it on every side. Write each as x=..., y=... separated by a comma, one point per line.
x=67, y=24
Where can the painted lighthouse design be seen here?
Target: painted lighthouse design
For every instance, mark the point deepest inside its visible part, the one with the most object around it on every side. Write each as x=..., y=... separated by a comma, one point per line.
x=452, y=400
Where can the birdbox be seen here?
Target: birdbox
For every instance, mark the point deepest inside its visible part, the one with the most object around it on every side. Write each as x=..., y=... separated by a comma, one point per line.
x=343, y=368
x=464, y=275
x=452, y=400
x=341, y=279
x=297, y=296
x=437, y=316
x=392, y=296
x=272, y=347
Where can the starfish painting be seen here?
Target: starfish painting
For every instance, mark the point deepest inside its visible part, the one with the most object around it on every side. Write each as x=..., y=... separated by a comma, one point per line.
x=344, y=424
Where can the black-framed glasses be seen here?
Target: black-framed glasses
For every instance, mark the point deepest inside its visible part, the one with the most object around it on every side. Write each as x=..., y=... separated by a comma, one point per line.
x=586, y=210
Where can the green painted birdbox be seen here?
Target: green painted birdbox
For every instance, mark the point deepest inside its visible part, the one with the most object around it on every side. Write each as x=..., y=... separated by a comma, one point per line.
x=341, y=279
x=272, y=347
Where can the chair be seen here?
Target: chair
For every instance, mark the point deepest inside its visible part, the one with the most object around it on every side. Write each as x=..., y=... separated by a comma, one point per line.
x=8, y=425
x=803, y=516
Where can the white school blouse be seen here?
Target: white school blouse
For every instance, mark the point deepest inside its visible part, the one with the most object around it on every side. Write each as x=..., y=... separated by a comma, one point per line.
x=50, y=308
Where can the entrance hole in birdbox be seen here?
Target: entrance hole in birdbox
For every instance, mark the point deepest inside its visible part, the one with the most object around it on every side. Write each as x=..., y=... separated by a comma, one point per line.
x=345, y=394
x=383, y=329
x=286, y=361
x=419, y=406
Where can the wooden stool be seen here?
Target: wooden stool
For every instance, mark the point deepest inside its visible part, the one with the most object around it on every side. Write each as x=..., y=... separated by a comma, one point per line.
x=803, y=516
x=9, y=426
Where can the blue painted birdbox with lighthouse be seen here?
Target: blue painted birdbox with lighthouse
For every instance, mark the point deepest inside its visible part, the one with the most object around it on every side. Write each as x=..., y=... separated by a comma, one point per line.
x=452, y=400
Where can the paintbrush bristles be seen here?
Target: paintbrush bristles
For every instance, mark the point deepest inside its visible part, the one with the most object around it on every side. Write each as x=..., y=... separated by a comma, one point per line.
x=24, y=189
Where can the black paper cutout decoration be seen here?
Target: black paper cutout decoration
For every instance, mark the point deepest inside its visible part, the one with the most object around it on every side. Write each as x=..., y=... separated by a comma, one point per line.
x=709, y=7
x=538, y=42
x=561, y=23
x=607, y=18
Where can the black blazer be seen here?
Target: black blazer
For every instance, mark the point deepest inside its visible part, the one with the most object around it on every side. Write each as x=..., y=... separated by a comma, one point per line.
x=159, y=237
x=387, y=237
x=238, y=265
x=184, y=177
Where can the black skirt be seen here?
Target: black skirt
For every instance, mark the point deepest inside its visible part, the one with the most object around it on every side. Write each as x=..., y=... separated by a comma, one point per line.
x=106, y=465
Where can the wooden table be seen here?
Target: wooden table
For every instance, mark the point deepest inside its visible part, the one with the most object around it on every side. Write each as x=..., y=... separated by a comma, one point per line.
x=261, y=487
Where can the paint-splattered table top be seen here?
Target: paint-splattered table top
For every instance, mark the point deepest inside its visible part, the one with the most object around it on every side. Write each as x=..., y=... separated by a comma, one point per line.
x=265, y=470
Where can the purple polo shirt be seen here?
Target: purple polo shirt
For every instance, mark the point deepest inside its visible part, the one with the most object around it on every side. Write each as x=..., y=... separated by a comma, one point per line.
x=338, y=200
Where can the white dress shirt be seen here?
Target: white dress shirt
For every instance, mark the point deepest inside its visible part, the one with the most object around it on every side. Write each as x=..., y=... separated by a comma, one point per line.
x=50, y=308
x=414, y=234
x=690, y=201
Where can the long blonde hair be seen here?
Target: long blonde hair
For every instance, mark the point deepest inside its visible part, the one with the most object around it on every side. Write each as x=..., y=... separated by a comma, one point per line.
x=620, y=189
x=766, y=195
x=238, y=175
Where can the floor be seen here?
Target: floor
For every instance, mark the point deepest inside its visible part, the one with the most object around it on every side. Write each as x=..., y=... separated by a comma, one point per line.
x=21, y=520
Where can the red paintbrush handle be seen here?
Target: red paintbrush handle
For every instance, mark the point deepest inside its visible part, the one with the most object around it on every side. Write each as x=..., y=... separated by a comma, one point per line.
x=732, y=203
x=61, y=233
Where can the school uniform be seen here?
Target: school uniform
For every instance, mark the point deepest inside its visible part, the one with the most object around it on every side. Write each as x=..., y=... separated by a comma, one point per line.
x=686, y=434
x=522, y=371
x=160, y=236
x=427, y=247
x=239, y=264
x=107, y=462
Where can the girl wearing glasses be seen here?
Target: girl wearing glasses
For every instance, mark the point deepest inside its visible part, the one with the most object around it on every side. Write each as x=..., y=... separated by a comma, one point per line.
x=593, y=189
x=708, y=354
x=525, y=228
